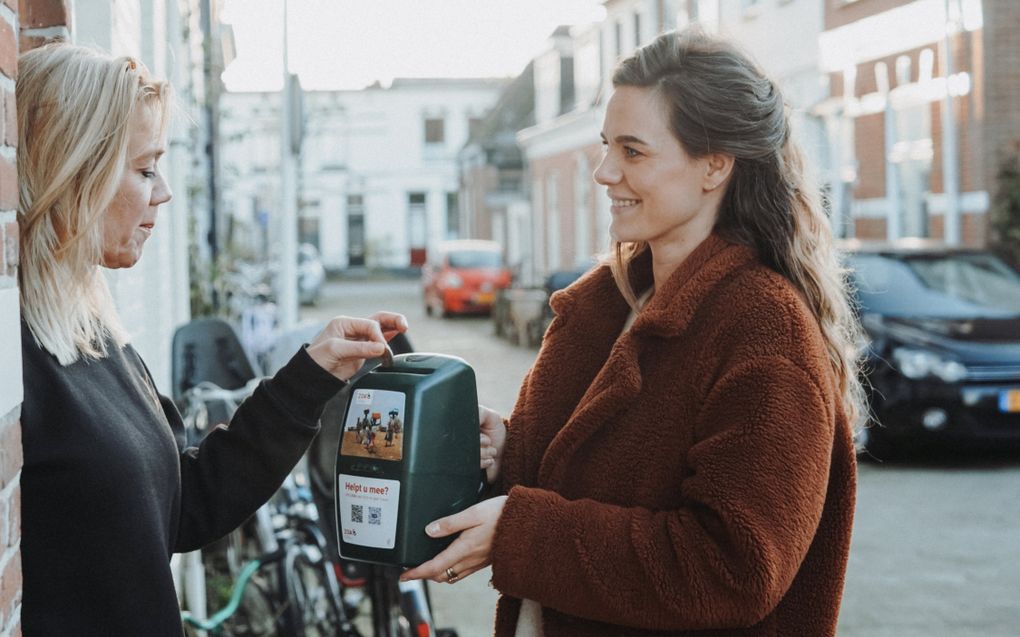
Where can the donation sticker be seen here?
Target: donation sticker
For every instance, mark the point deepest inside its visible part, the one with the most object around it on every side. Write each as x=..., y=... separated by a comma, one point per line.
x=368, y=510
x=375, y=425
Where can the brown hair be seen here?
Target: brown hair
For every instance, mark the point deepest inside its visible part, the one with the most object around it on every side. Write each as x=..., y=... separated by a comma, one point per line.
x=720, y=101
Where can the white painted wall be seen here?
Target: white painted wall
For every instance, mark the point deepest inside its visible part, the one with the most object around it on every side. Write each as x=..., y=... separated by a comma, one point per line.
x=369, y=142
x=152, y=297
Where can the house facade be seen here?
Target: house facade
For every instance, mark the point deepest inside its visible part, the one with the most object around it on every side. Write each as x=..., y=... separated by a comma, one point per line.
x=152, y=297
x=378, y=182
x=922, y=112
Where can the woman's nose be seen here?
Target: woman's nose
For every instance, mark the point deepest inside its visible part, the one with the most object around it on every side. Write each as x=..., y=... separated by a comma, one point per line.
x=606, y=172
x=161, y=193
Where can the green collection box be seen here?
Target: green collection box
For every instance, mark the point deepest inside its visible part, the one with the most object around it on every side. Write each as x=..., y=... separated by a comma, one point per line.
x=408, y=455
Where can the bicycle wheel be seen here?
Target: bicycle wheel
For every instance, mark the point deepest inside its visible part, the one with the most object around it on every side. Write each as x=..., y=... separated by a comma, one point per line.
x=258, y=614
x=389, y=618
x=313, y=605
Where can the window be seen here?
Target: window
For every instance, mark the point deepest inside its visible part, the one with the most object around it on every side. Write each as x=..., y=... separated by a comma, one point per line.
x=452, y=216
x=618, y=32
x=552, y=213
x=637, y=30
x=435, y=132
x=509, y=182
x=417, y=227
x=474, y=126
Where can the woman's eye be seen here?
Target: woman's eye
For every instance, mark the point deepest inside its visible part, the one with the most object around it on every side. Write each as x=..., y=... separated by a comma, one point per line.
x=149, y=174
x=630, y=152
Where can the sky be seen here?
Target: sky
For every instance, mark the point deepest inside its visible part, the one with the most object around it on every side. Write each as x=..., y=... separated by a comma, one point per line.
x=349, y=44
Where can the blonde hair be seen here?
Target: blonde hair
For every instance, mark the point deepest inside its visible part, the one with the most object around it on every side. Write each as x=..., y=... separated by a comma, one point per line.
x=74, y=105
x=720, y=101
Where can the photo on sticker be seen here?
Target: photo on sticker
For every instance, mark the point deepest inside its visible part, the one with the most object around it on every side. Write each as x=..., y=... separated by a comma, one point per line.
x=375, y=426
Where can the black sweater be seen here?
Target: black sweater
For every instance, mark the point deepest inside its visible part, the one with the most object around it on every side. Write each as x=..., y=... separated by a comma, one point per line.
x=109, y=492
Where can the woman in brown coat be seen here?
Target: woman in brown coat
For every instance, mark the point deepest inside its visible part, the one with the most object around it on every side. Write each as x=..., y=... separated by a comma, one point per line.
x=680, y=459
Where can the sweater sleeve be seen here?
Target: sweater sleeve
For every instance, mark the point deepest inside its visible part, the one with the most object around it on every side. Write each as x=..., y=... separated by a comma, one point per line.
x=236, y=469
x=751, y=503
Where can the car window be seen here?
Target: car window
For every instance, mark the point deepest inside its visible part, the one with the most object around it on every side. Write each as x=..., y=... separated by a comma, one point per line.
x=474, y=259
x=938, y=286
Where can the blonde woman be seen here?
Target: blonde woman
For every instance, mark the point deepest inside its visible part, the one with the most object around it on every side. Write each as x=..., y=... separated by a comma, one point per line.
x=108, y=491
x=680, y=458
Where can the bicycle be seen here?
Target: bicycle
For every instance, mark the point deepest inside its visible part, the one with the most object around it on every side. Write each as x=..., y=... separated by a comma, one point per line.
x=396, y=609
x=299, y=583
x=284, y=582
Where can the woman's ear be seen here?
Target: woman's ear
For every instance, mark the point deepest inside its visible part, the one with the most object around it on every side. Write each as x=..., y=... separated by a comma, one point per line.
x=718, y=168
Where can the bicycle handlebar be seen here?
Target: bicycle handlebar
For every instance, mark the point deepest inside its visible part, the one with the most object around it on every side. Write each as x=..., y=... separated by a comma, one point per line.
x=206, y=391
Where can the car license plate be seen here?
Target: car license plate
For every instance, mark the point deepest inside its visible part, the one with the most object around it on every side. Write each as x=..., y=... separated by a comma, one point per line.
x=1009, y=400
x=485, y=298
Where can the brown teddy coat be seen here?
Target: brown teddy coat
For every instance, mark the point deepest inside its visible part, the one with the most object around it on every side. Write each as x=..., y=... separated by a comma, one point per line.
x=692, y=476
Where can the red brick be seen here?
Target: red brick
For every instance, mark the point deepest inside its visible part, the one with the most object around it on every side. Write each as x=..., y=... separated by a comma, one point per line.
x=10, y=582
x=13, y=517
x=43, y=13
x=29, y=42
x=10, y=119
x=870, y=229
x=8, y=50
x=11, y=458
x=8, y=185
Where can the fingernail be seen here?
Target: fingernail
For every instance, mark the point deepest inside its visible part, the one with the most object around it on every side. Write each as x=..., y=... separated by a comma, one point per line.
x=432, y=529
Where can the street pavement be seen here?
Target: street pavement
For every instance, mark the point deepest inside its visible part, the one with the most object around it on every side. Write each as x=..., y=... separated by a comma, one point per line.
x=936, y=546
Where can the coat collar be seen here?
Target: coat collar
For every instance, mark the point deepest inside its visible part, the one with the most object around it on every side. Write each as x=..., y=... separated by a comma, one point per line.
x=606, y=369
x=672, y=307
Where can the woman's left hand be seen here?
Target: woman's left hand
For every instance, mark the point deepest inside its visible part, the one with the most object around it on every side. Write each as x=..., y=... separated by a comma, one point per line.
x=470, y=552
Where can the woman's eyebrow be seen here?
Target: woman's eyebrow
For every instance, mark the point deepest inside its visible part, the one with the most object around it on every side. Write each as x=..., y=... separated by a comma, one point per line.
x=154, y=153
x=626, y=139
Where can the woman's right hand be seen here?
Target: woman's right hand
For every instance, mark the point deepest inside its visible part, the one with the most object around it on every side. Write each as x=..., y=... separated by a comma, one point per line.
x=344, y=344
x=493, y=435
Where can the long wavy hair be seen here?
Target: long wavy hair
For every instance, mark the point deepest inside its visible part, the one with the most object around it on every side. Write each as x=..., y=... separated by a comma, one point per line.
x=720, y=101
x=74, y=105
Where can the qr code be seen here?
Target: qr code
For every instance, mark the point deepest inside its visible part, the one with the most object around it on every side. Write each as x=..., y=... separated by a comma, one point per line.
x=357, y=513
x=375, y=515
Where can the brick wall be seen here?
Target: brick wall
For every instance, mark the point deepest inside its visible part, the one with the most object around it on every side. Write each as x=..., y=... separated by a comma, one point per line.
x=32, y=22
x=10, y=348
x=563, y=167
x=987, y=121
x=1001, y=57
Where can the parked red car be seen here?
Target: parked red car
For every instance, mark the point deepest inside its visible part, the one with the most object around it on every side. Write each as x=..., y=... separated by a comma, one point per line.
x=463, y=277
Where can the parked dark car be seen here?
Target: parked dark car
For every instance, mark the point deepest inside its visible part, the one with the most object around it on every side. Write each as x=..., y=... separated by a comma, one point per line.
x=944, y=352
x=554, y=283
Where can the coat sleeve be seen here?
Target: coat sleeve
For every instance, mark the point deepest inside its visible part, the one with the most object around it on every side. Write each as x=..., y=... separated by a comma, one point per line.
x=752, y=499
x=236, y=469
